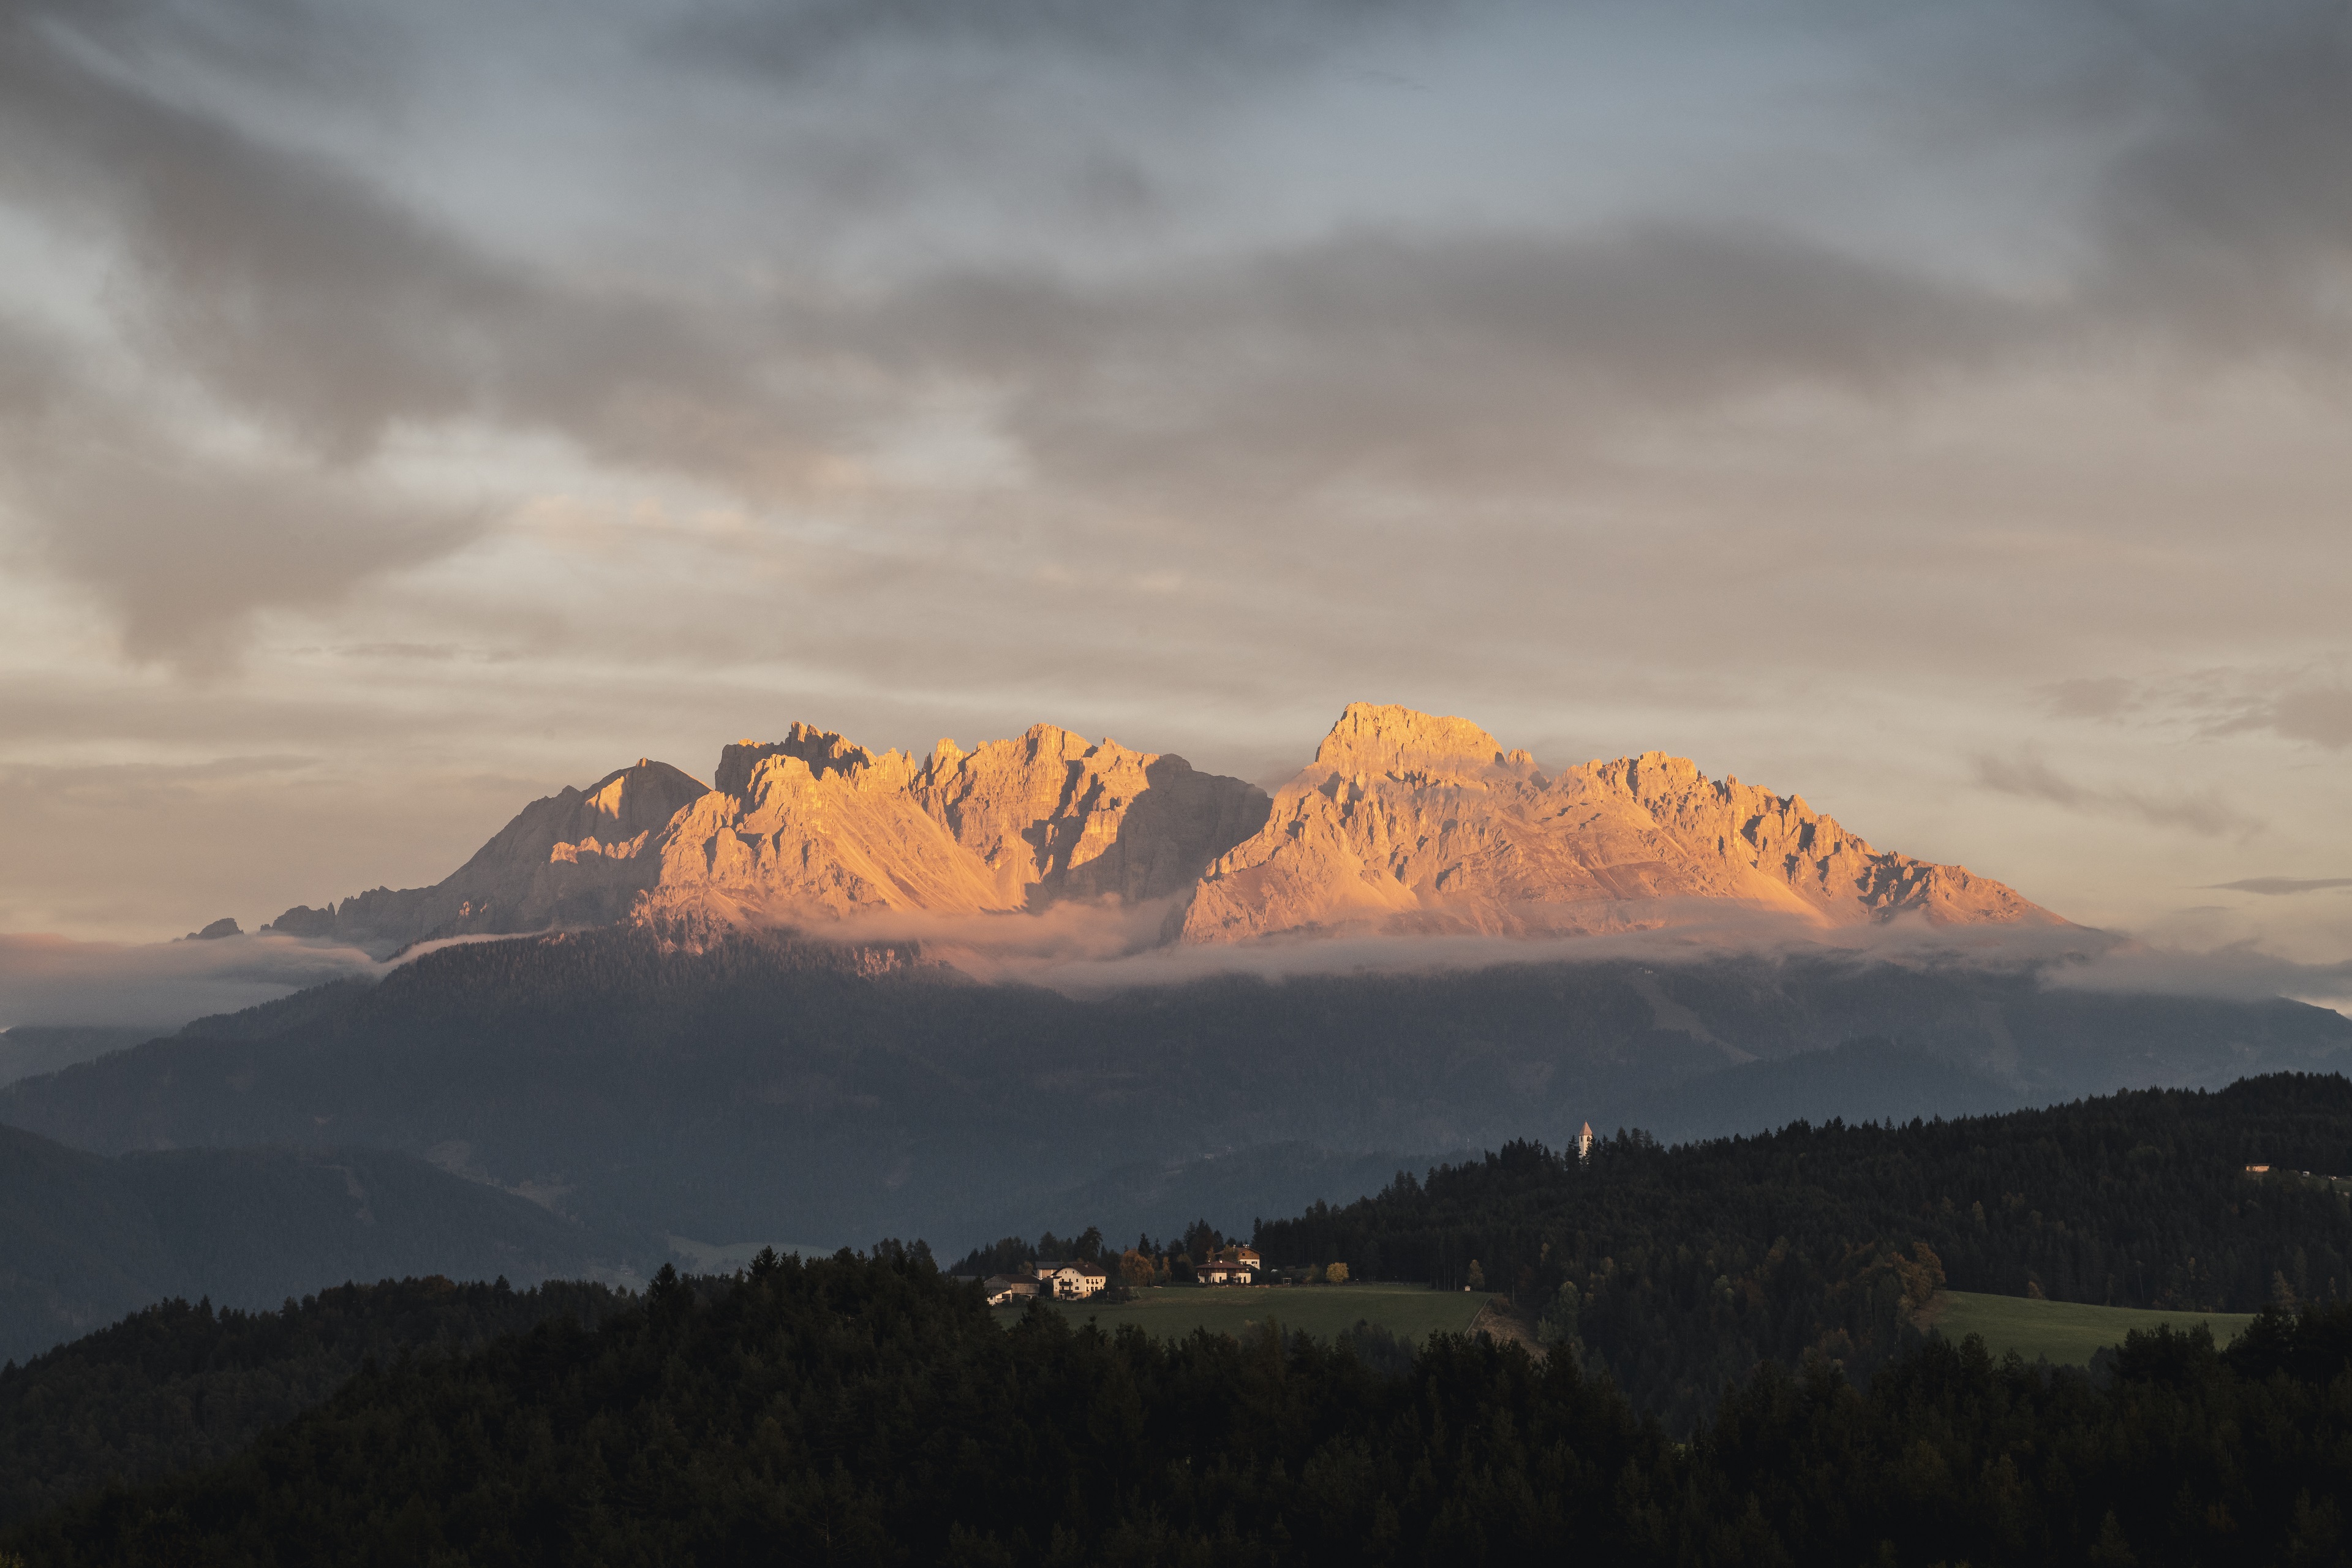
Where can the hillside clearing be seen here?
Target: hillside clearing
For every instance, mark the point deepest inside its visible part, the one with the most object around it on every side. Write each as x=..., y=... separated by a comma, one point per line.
x=1174, y=1311
x=2068, y=1332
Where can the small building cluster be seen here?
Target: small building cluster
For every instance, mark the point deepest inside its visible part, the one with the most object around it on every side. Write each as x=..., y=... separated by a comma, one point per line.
x=1004, y=1289
x=1075, y=1279
x=1229, y=1265
x=1071, y=1282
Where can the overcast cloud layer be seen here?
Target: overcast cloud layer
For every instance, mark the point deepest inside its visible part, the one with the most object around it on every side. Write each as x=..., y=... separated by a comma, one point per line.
x=1937, y=409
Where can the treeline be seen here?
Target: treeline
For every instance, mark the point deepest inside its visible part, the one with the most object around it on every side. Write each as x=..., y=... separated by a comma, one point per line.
x=178, y=1387
x=1148, y=1262
x=1677, y=1270
x=867, y=1410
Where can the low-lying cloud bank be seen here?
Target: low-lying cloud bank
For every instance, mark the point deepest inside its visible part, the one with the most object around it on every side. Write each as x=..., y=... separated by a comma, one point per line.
x=2241, y=972
x=1670, y=932
x=1072, y=949
x=55, y=980
x=1078, y=949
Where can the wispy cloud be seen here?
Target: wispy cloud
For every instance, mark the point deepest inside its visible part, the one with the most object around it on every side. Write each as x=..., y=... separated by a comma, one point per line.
x=2309, y=704
x=2203, y=812
x=2321, y=715
x=2279, y=887
x=49, y=980
x=1159, y=367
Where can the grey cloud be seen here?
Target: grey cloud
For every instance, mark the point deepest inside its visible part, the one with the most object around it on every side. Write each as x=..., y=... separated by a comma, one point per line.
x=2028, y=776
x=322, y=309
x=1452, y=367
x=49, y=980
x=1497, y=356
x=2232, y=223
x=431, y=653
x=1417, y=358
x=186, y=549
x=294, y=287
x=340, y=51
x=793, y=40
x=2321, y=715
x=2241, y=973
x=133, y=783
x=2295, y=704
x=2102, y=697
x=2275, y=887
x=281, y=282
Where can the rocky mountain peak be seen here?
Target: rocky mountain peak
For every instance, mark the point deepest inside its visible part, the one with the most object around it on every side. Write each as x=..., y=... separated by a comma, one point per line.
x=1406, y=822
x=1409, y=823
x=629, y=801
x=822, y=750
x=1372, y=740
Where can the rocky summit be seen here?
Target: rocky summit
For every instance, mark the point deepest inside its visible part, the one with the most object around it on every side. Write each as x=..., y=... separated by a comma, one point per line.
x=1403, y=824
x=1406, y=823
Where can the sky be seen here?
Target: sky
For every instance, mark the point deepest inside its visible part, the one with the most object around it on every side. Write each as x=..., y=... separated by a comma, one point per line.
x=1937, y=409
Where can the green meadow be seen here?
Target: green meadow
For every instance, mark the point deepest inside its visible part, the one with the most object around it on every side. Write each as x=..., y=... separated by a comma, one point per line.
x=1174, y=1311
x=2068, y=1332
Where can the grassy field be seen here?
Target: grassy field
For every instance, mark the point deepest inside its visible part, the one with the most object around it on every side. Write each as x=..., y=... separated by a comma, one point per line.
x=2068, y=1332
x=1172, y=1311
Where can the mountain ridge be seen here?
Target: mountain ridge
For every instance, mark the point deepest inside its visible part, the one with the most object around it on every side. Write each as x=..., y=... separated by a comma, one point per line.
x=1404, y=824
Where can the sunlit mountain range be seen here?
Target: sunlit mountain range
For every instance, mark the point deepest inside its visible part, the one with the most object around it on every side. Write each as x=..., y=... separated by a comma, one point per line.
x=1404, y=824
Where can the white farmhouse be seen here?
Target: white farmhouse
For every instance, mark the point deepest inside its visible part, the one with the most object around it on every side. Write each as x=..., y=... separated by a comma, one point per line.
x=1072, y=1282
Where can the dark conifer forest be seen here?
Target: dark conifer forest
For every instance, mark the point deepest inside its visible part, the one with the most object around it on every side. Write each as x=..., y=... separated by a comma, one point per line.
x=1678, y=1270
x=867, y=1409
x=1731, y=1365
x=177, y=1386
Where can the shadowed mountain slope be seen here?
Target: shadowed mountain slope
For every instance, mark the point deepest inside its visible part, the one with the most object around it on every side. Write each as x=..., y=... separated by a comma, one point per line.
x=762, y=1087
x=85, y=1238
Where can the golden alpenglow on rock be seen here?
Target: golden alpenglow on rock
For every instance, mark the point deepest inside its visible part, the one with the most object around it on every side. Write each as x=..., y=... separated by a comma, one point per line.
x=577, y=857
x=1059, y=817
x=812, y=826
x=1405, y=824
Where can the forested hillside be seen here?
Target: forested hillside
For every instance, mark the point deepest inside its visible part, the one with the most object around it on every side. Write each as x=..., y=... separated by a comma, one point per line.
x=26, y=1051
x=788, y=1090
x=177, y=1387
x=868, y=1411
x=1677, y=1270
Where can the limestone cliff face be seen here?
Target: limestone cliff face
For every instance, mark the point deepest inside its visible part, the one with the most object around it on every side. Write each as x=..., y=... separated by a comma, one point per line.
x=813, y=827
x=1404, y=823
x=1054, y=817
x=1407, y=823
x=572, y=859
